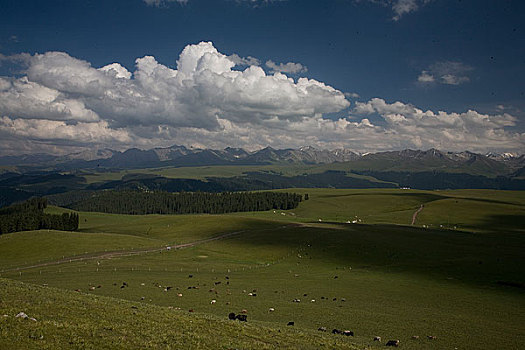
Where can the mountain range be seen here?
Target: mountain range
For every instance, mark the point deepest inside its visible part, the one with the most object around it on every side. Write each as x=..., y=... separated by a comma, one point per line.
x=411, y=160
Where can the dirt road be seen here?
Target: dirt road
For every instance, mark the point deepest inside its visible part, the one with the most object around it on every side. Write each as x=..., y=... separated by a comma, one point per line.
x=414, y=216
x=122, y=253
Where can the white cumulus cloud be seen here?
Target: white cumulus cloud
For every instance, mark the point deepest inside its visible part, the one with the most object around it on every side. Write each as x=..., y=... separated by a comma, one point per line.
x=206, y=101
x=410, y=127
x=39, y=129
x=202, y=90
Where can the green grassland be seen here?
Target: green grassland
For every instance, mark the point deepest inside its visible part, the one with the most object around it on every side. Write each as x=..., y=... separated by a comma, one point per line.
x=204, y=172
x=80, y=321
x=457, y=274
x=199, y=172
x=376, y=163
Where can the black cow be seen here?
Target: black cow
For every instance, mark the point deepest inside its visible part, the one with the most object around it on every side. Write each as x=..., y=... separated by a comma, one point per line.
x=291, y=323
x=322, y=329
x=392, y=343
x=243, y=318
x=231, y=316
x=336, y=331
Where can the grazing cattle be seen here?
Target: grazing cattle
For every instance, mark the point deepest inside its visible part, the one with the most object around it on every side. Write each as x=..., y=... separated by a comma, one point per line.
x=343, y=299
x=305, y=295
x=335, y=277
x=296, y=301
x=334, y=299
x=216, y=283
x=336, y=331
x=377, y=339
x=431, y=337
x=415, y=337
x=271, y=309
x=392, y=343
x=190, y=276
x=348, y=333
x=231, y=316
x=313, y=300
x=244, y=311
x=243, y=318
x=213, y=301
x=321, y=329
x=291, y=323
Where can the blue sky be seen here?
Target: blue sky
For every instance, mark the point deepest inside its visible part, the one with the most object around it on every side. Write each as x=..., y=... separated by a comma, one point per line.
x=379, y=72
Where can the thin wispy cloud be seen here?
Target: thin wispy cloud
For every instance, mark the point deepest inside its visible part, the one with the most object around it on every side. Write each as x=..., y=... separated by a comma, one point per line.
x=161, y=3
x=446, y=72
x=400, y=7
x=244, y=61
x=164, y=3
x=290, y=67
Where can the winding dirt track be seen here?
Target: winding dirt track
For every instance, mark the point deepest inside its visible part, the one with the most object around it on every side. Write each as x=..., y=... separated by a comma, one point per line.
x=414, y=216
x=122, y=253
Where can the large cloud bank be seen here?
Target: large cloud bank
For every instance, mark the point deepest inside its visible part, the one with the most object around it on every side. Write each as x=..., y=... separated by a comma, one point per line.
x=62, y=103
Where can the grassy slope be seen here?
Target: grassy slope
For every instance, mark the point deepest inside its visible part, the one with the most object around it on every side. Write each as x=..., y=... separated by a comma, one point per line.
x=204, y=172
x=26, y=248
x=470, y=210
x=395, y=291
x=77, y=321
x=403, y=281
x=385, y=163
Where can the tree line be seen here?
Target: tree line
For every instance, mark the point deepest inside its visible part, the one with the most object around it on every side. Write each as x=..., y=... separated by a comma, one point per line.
x=29, y=215
x=140, y=203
